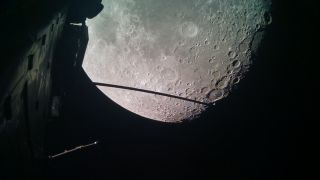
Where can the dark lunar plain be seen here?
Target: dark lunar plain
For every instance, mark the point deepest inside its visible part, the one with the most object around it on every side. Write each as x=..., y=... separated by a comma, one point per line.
x=258, y=132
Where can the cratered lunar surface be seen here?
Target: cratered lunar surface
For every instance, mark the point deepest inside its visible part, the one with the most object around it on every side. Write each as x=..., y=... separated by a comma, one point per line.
x=194, y=49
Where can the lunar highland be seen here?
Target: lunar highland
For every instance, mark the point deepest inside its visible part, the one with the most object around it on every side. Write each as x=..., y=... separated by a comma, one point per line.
x=195, y=49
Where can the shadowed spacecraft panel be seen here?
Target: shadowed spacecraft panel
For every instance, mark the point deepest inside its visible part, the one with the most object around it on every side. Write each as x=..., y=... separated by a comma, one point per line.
x=193, y=51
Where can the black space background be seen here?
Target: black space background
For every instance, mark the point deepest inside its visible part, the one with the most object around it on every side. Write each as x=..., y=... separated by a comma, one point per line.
x=258, y=132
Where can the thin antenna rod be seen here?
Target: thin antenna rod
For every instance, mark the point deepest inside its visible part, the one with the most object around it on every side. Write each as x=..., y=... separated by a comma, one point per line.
x=72, y=150
x=148, y=91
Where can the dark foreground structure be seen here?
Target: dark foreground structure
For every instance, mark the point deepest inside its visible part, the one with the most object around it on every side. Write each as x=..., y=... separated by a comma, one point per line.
x=43, y=53
x=48, y=104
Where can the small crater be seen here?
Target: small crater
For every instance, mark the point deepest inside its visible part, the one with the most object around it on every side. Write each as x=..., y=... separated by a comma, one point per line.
x=164, y=57
x=212, y=59
x=229, y=72
x=188, y=91
x=236, y=80
x=232, y=54
x=236, y=63
x=215, y=94
x=215, y=74
x=159, y=68
x=178, y=83
x=258, y=27
x=223, y=82
x=189, y=29
x=267, y=18
x=204, y=90
x=206, y=42
x=192, y=50
x=244, y=45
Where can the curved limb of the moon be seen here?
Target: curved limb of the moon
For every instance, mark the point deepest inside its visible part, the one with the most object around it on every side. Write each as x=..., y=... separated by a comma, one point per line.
x=192, y=49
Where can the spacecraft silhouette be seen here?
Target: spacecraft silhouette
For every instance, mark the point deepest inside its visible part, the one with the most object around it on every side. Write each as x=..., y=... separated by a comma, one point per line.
x=43, y=53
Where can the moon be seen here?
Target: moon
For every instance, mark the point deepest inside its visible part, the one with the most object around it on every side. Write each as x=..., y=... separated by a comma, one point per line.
x=195, y=51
